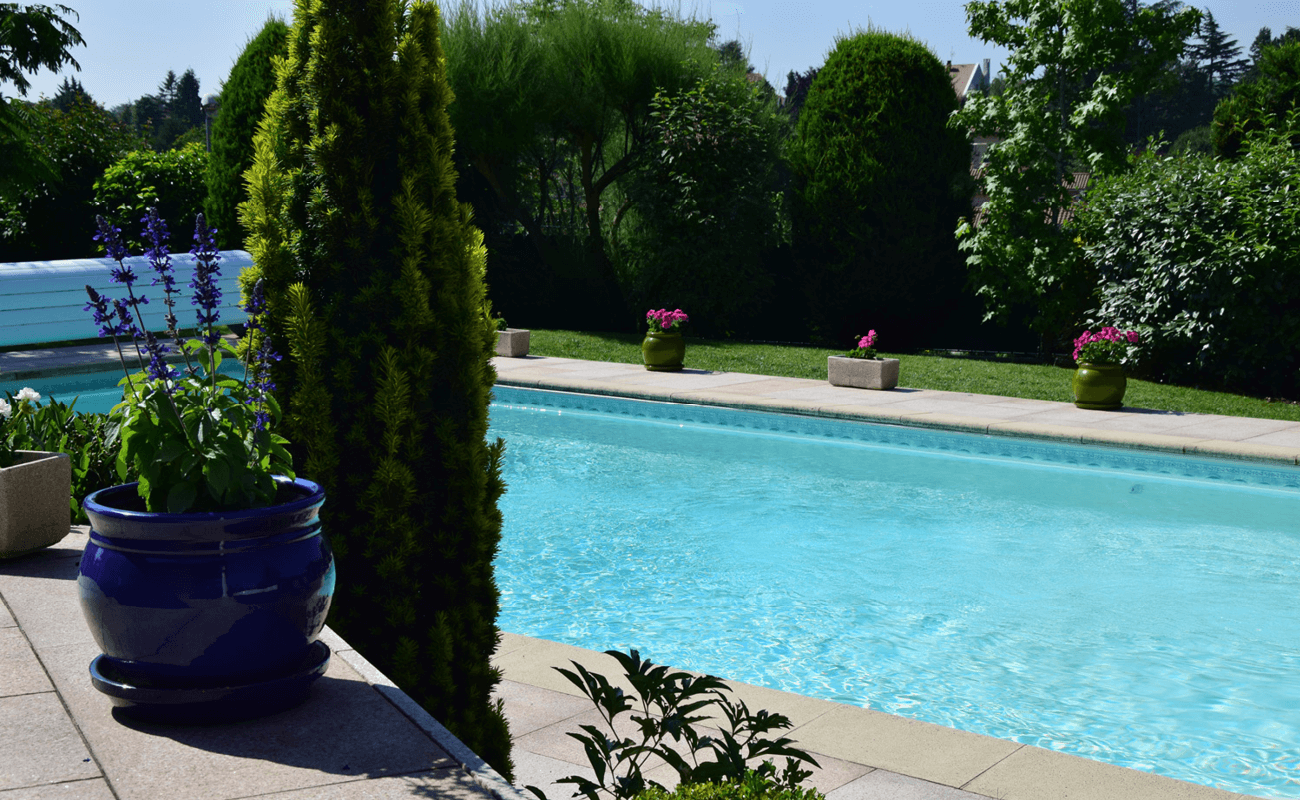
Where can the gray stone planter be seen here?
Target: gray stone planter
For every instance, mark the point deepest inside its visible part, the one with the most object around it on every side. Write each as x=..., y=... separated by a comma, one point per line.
x=34, y=496
x=862, y=373
x=512, y=343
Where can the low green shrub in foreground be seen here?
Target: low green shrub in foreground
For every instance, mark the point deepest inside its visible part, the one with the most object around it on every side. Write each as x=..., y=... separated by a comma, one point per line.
x=665, y=706
x=747, y=790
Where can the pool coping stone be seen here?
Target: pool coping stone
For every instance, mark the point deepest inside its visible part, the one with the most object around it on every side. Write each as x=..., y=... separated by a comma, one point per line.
x=942, y=763
x=1014, y=417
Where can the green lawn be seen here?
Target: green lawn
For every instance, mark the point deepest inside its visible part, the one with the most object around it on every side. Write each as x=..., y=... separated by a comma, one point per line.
x=1034, y=381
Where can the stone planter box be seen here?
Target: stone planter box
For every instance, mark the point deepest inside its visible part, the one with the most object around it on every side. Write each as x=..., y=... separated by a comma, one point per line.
x=34, y=495
x=512, y=343
x=862, y=373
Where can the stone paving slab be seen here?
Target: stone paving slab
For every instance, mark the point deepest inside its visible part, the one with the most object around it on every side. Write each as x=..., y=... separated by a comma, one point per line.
x=92, y=789
x=20, y=671
x=41, y=746
x=357, y=736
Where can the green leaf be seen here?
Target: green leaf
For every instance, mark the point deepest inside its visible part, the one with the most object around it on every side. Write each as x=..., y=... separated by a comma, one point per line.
x=217, y=472
x=181, y=497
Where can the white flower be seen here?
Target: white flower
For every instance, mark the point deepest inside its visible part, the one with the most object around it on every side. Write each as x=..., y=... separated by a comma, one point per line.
x=5, y=409
x=28, y=393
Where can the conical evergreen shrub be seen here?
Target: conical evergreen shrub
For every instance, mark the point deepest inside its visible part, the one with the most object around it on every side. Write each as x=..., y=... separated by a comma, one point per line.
x=374, y=276
x=243, y=99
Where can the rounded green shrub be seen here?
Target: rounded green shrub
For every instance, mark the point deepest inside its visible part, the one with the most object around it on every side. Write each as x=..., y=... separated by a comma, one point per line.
x=171, y=180
x=707, y=207
x=243, y=99
x=1259, y=104
x=878, y=183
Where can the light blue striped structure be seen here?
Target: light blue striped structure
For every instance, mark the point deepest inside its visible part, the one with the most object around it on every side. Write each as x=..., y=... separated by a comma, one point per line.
x=44, y=301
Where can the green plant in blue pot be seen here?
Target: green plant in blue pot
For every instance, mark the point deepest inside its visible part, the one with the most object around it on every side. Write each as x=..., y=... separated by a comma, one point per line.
x=206, y=582
x=1099, y=381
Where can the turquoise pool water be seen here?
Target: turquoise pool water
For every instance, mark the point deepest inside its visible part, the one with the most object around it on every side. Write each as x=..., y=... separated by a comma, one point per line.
x=1131, y=608
x=94, y=391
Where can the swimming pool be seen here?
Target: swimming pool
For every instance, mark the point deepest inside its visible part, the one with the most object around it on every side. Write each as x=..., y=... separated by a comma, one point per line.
x=1128, y=607
x=95, y=391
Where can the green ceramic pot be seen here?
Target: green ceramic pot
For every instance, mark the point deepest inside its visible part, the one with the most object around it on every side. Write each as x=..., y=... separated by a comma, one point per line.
x=663, y=351
x=1099, y=386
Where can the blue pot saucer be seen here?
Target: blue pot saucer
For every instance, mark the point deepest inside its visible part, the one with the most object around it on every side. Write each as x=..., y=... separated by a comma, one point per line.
x=193, y=702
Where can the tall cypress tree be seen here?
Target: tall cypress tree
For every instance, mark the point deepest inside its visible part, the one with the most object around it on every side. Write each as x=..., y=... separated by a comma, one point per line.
x=243, y=99
x=374, y=276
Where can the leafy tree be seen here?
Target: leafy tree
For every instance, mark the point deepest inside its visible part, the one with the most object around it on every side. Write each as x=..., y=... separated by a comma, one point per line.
x=1074, y=65
x=703, y=211
x=552, y=105
x=1254, y=103
x=368, y=258
x=243, y=99
x=1265, y=39
x=32, y=38
x=878, y=180
x=1202, y=256
x=172, y=180
x=52, y=219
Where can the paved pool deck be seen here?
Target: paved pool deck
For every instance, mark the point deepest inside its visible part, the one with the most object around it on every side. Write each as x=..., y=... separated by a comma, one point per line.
x=360, y=737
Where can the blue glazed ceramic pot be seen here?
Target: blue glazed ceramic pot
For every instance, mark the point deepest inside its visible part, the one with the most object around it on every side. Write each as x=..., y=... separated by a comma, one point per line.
x=207, y=610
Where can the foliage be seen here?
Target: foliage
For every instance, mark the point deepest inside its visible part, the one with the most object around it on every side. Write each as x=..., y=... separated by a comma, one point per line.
x=1264, y=40
x=1202, y=257
x=877, y=183
x=706, y=205
x=866, y=346
x=797, y=85
x=752, y=787
x=243, y=99
x=69, y=92
x=1271, y=96
x=165, y=118
x=369, y=260
x=34, y=37
x=49, y=220
x=1109, y=345
x=1196, y=141
x=31, y=38
x=1074, y=65
x=670, y=704
x=89, y=440
x=197, y=441
x=553, y=109
x=171, y=180
x=1221, y=55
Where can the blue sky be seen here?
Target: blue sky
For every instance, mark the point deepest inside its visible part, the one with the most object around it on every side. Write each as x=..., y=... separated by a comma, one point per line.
x=130, y=46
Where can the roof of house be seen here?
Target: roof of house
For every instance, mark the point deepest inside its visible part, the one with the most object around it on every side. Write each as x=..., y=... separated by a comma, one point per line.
x=1076, y=183
x=961, y=76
